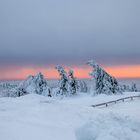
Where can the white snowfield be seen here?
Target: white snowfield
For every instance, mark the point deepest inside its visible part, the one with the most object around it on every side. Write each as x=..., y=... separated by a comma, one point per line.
x=35, y=117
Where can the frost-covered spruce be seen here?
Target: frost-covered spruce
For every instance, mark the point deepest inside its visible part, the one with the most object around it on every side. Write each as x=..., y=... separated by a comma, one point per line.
x=63, y=82
x=21, y=91
x=104, y=83
x=129, y=88
x=125, y=88
x=134, y=88
x=6, y=85
x=40, y=83
x=72, y=82
x=34, y=84
x=82, y=86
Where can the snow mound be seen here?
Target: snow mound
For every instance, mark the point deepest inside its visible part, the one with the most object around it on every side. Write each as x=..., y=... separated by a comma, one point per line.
x=109, y=126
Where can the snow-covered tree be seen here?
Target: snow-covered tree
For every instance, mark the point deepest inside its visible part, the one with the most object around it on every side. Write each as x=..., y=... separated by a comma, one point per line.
x=134, y=88
x=72, y=82
x=34, y=84
x=21, y=91
x=129, y=88
x=104, y=83
x=40, y=83
x=82, y=86
x=63, y=82
x=125, y=88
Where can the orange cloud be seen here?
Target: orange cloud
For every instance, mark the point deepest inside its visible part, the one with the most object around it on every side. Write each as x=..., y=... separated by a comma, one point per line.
x=126, y=71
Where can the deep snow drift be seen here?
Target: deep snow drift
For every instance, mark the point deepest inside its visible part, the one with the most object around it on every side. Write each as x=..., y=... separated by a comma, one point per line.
x=35, y=117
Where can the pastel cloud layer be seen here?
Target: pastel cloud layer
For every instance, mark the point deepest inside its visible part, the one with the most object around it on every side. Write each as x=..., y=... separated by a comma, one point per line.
x=127, y=71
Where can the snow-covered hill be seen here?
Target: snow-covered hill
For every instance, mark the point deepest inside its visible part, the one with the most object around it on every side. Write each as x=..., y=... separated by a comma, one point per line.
x=35, y=117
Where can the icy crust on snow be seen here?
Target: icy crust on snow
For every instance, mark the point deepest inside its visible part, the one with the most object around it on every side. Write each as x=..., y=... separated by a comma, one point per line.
x=111, y=126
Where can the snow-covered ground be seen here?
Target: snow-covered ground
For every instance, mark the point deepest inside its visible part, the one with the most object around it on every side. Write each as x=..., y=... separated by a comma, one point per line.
x=35, y=117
